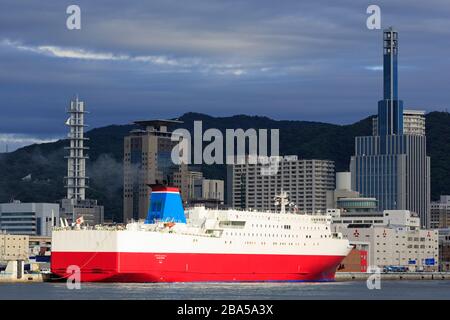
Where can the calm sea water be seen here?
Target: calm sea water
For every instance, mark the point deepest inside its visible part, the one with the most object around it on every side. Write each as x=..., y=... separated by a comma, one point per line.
x=334, y=290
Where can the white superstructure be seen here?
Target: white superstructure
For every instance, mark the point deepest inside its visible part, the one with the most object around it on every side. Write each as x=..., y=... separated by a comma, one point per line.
x=213, y=231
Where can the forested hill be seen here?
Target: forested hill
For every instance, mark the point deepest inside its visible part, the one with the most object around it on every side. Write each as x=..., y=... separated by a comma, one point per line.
x=47, y=166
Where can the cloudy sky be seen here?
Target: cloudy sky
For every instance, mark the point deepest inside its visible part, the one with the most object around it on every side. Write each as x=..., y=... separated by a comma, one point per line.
x=302, y=60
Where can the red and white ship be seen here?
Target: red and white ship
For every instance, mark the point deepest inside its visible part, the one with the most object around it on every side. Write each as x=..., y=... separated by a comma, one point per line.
x=206, y=245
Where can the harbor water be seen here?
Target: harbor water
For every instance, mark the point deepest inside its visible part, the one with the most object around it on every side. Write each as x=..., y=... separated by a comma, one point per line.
x=403, y=289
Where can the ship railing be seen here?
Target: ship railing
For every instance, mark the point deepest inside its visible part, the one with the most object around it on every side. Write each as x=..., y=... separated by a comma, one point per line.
x=150, y=229
x=96, y=227
x=260, y=211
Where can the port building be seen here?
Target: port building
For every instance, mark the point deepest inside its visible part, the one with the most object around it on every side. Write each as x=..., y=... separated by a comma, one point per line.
x=32, y=219
x=391, y=238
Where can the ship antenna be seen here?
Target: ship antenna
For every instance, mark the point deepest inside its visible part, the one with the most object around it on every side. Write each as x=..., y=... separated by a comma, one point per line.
x=282, y=201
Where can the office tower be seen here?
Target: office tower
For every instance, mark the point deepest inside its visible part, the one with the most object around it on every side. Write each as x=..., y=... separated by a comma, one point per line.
x=393, y=166
x=147, y=161
x=305, y=181
x=76, y=204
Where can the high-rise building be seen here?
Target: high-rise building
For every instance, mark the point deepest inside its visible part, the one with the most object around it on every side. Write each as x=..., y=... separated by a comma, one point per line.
x=440, y=213
x=393, y=166
x=305, y=181
x=413, y=123
x=194, y=188
x=147, y=160
x=76, y=204
x=185, y=180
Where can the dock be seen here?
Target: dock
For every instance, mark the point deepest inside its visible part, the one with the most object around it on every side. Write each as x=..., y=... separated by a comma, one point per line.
x=15, y=273
x=362, y=276
x=32, y=277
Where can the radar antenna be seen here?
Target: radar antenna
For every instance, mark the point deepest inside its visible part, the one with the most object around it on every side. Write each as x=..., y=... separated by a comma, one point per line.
x=282, y=200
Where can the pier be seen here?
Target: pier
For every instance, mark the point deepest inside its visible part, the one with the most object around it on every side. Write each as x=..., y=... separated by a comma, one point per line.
x=361, y=276
x=15, y=272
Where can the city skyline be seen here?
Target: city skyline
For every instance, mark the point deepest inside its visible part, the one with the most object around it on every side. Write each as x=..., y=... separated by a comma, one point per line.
x=251, y=58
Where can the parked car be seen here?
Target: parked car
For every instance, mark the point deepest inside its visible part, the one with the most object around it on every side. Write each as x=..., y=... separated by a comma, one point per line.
x=395, y=269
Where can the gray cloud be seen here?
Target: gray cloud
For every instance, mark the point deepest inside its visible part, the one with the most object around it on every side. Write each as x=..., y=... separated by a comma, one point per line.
x=301, y=60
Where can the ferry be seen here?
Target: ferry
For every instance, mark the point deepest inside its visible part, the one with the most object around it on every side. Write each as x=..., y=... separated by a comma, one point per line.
x=201, y=245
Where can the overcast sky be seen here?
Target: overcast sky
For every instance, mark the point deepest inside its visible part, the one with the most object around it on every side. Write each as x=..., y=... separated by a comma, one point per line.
x=302, y=60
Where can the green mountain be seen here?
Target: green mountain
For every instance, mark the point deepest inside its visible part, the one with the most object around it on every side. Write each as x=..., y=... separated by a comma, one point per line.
x=47, y=166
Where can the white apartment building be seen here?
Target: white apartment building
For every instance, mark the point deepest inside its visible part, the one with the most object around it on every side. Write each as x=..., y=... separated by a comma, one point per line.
x=413, y=123
x=305, y=181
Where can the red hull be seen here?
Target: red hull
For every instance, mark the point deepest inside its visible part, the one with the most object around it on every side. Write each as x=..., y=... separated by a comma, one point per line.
x=181, y=267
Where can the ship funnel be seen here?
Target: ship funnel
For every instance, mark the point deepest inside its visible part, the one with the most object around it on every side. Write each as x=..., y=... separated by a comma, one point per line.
x=165, y=205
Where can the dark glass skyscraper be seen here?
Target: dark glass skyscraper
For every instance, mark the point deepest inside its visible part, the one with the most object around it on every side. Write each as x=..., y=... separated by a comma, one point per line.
x=390, y=109
x=392, y=166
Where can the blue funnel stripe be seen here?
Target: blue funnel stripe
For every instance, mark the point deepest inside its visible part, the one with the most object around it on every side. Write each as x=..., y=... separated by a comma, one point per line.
x=165, y=205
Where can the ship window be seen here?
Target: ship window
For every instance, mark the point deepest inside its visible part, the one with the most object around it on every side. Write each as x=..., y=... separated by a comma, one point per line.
x=232, y=224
